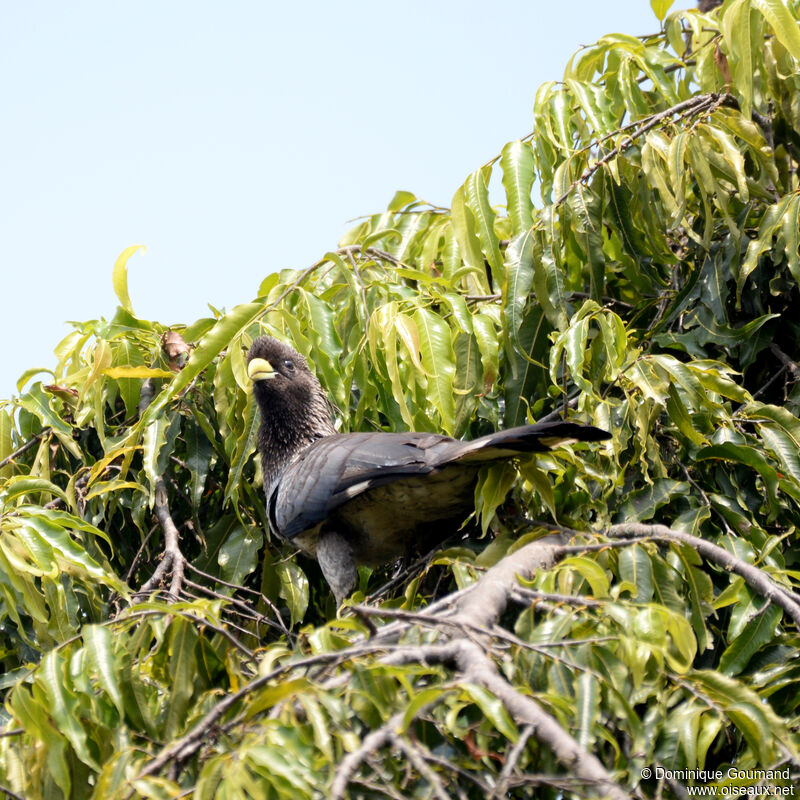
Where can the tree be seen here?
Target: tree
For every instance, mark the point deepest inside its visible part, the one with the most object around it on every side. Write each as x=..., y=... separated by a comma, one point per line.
x=628, y=624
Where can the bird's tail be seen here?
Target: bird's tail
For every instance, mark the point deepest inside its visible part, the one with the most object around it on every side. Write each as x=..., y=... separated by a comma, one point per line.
x=536, y=438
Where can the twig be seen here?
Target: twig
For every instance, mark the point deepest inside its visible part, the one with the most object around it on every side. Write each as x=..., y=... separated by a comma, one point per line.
x=548, y=597
x=243, y=609
x=386, y=734
x=695, y=105
x=27, y=446
x=13, y=795
x=135, y=560
x=480, y=609
x=559, y=412
x=417, y=759
x=511, y=762
x=791, y=365
x=609, y=301
x=192, y=741
x=481, y=298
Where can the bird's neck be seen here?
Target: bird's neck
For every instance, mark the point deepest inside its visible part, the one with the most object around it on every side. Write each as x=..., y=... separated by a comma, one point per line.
x=285, y=433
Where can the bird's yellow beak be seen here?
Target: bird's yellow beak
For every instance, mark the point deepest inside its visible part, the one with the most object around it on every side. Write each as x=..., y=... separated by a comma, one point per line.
x=259, y=369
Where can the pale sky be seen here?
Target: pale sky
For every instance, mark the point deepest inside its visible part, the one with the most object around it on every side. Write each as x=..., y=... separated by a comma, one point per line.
x=235, y=139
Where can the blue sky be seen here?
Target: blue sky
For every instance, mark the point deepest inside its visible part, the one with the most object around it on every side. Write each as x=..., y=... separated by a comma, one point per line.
x=236, y=139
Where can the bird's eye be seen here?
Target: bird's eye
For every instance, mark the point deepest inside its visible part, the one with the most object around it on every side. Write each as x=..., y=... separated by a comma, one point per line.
x=289, y=364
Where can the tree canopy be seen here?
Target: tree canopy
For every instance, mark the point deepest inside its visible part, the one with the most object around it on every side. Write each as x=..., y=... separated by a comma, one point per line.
x=627, y=625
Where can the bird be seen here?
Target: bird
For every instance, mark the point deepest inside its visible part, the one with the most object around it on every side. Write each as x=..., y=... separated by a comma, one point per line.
x=349, y=499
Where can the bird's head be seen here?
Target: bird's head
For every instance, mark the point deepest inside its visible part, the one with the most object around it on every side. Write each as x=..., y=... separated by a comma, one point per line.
x=276, y=369
x=288, y=393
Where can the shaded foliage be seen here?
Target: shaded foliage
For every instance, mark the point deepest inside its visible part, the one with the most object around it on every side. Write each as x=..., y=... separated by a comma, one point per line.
x=634, y=261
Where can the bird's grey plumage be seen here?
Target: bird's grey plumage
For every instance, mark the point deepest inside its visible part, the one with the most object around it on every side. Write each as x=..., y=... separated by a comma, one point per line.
x=366, y=498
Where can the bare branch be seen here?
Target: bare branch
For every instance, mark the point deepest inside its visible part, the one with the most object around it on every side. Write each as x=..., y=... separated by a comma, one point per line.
x=173, y=561
x=792, y=366
x=381, y=737
x=474, y=665
x=701, y=104
x=755, y=578
x=27, y=446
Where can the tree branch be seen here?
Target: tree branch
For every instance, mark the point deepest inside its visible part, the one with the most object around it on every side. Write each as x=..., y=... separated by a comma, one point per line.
x=475, y=666
x=173, y=559
x=792, y=366
x=479, y=609
x=755, y=578
x=695, y=105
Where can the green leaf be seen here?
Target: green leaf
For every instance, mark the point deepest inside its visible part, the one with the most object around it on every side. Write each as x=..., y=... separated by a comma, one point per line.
x=589, y=569
x=759, y=724
x=137, y=372
x=294, y=589
x=468, y=244
x=678, y=414
x=516, y=161
x=755, y=635
x=477, y=193
x=61, y=542
x=493, y=485
x=439, y=363
x=6, y=442
x=99, y=647
x=642, y=505
x=467, y=381
x=735, y=27
x=39, y=404
x=53, y=677
x=700, y=594
x=400, y=200
x=270, y=695
x=119, y=276
x=660, y=8
x=753, y=459
x=238, y=555
x=421, y=699
x=493, y=709
x=586, y=224
x=518, y=280
x=782, y=22
x=20, y=486
x=791, y=237
x=199, y=451
x=244, y=448
x=780, y=430
x=526, y=358
x=541, y=483
x=635, y=567
x=35, y=718
x=548, y=275
x=183, y=639
x=153, y=442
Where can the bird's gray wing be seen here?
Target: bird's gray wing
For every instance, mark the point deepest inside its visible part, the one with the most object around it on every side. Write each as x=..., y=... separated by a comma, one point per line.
x=335, y=469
